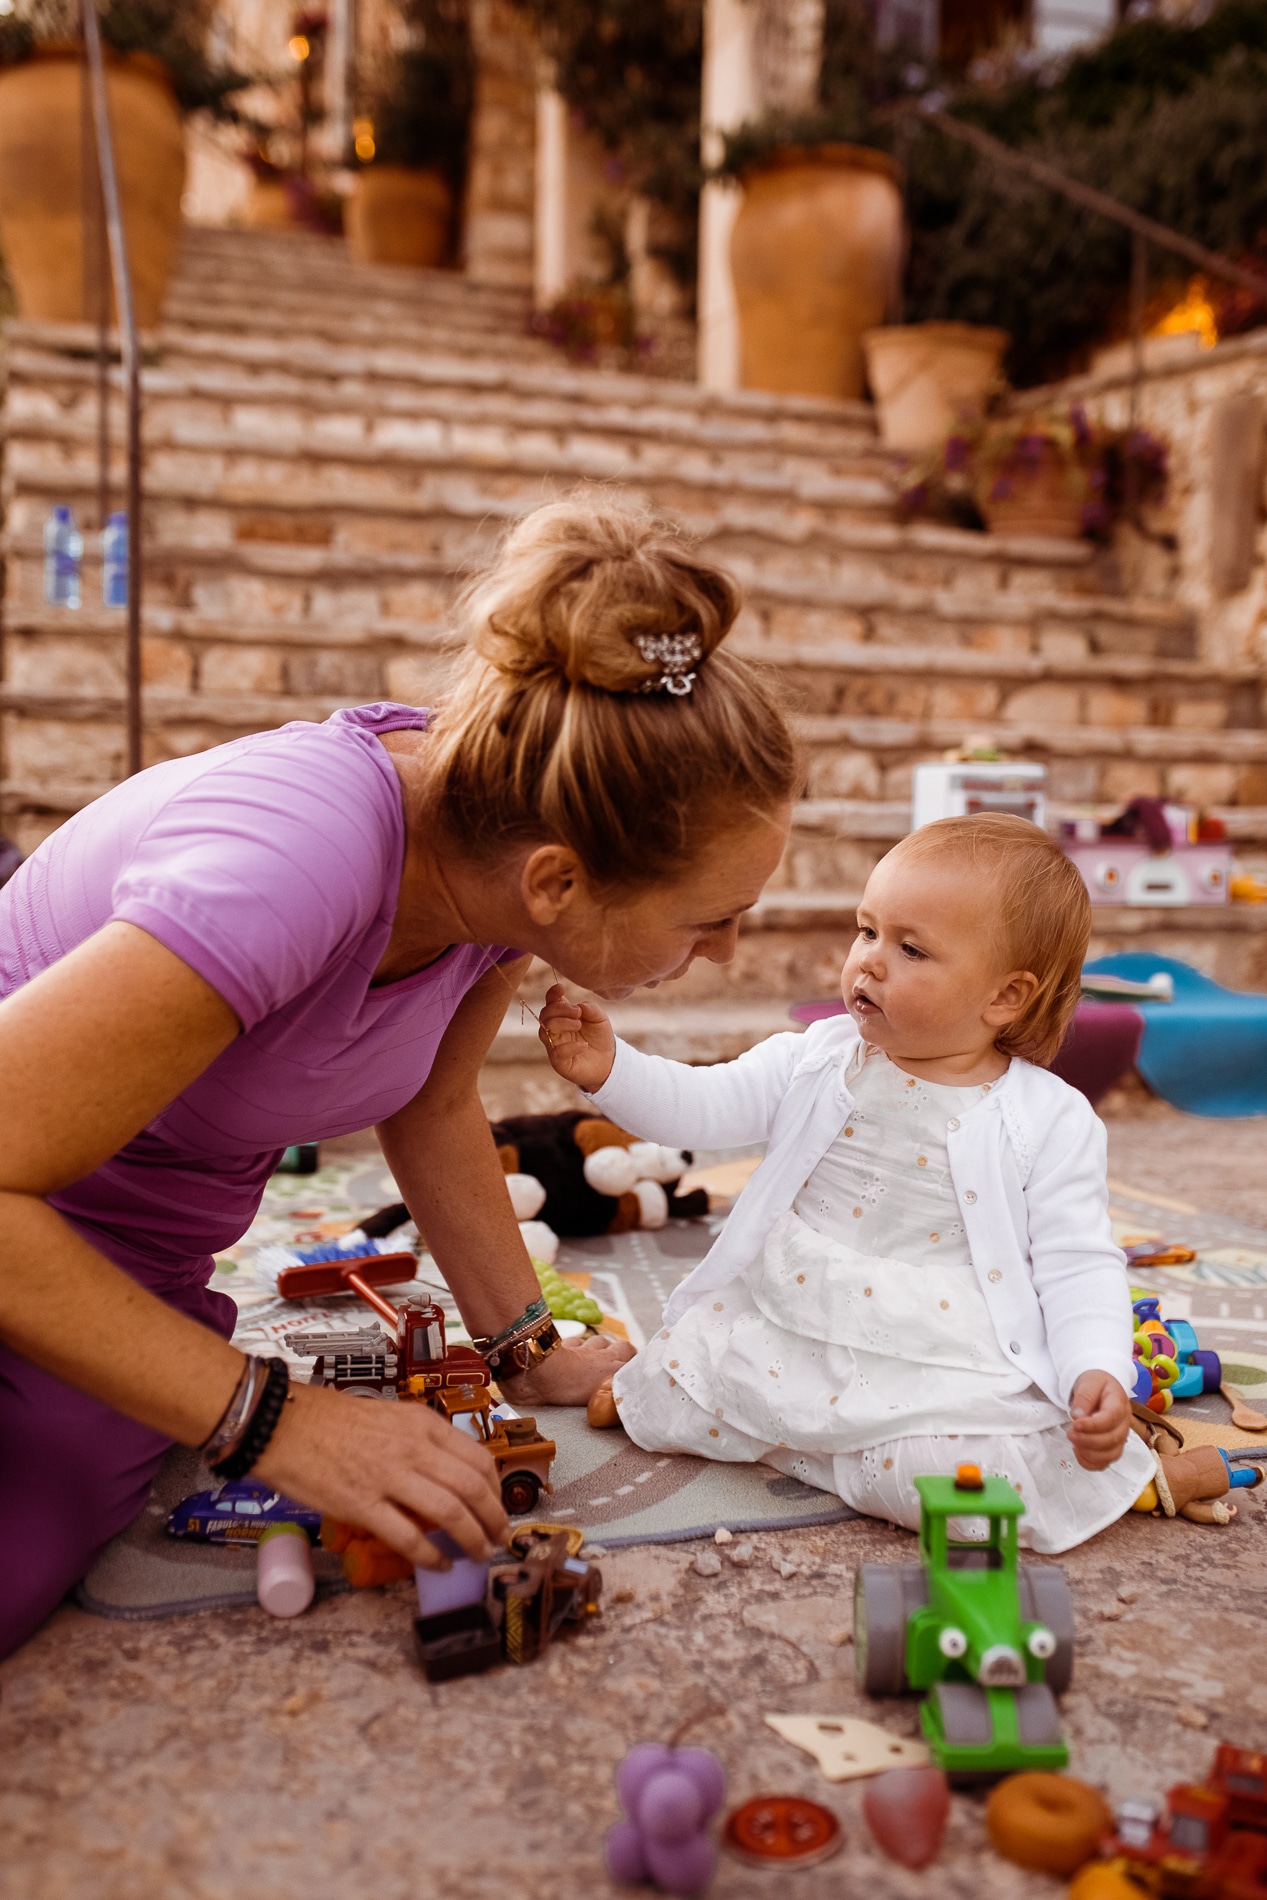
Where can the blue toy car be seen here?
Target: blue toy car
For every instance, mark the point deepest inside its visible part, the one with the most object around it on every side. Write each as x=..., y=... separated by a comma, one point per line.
x=239, y=1513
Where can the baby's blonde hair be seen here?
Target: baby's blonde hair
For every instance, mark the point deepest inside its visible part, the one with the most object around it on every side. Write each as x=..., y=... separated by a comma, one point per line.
x=1044, y=919
x=557, y=729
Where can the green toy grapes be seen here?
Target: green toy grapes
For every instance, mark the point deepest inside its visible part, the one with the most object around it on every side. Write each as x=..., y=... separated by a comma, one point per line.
x=564, y=1300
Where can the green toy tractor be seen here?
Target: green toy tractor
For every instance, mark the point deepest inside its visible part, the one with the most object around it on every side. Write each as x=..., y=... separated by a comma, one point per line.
x=993, y=1644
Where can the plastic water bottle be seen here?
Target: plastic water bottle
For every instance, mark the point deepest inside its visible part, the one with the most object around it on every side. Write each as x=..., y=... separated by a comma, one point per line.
x=114, y=561
x=63, y=551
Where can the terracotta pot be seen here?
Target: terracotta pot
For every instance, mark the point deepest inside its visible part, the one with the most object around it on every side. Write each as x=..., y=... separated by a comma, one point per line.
x=397, y=216
x=926, y=377
x=1044, y=498
x=41, y=188
x=267, y=207
x=815, y=254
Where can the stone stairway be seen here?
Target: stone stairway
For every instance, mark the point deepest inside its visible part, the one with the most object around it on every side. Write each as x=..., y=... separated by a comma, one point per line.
x=329, y=451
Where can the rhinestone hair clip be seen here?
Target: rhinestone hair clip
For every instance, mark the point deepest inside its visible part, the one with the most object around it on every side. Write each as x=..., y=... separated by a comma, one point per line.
x=676, y=653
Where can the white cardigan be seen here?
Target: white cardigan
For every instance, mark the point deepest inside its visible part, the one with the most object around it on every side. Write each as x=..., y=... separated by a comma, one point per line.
x=1027, y=1162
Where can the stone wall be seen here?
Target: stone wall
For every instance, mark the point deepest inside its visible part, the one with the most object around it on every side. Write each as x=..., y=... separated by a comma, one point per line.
x=501, y=187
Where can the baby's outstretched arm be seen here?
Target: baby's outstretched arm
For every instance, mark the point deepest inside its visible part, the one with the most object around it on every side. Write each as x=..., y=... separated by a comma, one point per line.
x=1101, y=1419
x=579, y=1040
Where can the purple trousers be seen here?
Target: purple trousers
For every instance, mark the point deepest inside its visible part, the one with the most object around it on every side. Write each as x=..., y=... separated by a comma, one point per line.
x=73, y=1474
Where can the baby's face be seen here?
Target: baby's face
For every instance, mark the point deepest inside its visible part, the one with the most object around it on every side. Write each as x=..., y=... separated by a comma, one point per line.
x=925, y=975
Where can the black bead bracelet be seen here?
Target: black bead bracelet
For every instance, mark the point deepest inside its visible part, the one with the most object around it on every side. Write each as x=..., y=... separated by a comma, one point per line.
x=260, y=1426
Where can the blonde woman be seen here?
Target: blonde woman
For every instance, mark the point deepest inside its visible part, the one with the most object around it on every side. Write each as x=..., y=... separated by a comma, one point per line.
x=315, y=930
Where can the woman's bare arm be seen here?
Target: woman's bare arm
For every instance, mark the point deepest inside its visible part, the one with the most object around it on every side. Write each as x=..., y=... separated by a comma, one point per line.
x=441, y=1152
x=90, y=1052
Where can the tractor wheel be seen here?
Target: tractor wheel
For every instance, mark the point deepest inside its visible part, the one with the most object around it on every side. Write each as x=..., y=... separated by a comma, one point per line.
x=883, y=1597
x=963, y=1709
x=1037, y=1718
x=520, y=1491
x=1045, y=1598
x=1211, y=1369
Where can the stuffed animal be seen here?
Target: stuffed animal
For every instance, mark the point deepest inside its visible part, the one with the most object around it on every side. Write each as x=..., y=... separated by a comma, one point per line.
x=575, y=1175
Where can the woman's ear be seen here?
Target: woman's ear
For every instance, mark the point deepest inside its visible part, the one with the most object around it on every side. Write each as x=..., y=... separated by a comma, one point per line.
x=549, y=883
x=1012, y=998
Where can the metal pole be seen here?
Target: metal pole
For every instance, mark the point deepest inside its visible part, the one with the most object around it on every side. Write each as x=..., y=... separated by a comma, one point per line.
x=1139, y=296
x=131, y=369
x=96, y=282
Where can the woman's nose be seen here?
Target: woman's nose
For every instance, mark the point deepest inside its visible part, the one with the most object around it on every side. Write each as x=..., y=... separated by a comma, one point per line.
x=718, y=946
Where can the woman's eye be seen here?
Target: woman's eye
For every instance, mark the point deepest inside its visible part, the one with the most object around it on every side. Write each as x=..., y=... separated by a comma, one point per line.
x=723, y=924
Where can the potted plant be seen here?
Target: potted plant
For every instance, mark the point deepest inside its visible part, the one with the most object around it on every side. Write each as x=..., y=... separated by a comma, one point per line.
x=156, y=69
x=410, y=140
x=1052, y=472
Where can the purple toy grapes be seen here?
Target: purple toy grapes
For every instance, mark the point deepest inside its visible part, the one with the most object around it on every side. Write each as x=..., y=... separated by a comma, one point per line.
x=669, y=1796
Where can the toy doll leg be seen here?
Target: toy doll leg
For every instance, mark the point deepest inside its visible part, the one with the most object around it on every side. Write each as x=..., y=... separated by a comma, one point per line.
x=72, y=1474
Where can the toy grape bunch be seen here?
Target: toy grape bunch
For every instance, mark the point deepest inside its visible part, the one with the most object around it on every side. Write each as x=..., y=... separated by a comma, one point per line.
x=668, y=1794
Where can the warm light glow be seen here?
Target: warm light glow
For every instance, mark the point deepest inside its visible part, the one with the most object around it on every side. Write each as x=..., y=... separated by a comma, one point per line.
x=363, y=139
x=298, y=48
x=1194, y=314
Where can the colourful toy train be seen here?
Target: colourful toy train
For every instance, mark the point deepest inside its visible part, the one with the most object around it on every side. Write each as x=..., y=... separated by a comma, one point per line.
x=1169, y=1363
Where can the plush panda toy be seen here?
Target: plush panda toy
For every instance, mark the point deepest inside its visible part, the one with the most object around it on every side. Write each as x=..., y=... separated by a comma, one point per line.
x=574, y=1175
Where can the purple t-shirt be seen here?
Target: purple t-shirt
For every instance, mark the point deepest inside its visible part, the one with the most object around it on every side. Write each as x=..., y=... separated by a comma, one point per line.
x=271, y=866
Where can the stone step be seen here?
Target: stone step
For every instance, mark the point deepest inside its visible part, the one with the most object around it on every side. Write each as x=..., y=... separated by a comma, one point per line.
x=381, y=656
x=242, y=260
x=301, y=379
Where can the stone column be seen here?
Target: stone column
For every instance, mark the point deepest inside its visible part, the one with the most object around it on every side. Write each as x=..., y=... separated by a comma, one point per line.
x=1060, y=25
x=500, y=189
x=550, y=259
x=758, y=55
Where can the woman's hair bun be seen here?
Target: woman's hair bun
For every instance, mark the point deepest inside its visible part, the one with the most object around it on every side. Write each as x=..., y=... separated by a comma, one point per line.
x=580, y=581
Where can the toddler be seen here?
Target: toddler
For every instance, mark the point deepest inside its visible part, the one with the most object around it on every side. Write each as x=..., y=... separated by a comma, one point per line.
x=921, y=1271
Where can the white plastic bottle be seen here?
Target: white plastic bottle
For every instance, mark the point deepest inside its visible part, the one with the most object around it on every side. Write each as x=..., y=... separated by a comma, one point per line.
x=114, y=561
x=63, y=552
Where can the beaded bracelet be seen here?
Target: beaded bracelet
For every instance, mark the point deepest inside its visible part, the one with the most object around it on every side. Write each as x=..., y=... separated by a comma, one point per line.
x=260, y=1427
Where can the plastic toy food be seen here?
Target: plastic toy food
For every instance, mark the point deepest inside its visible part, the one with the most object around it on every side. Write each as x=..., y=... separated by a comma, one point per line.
x=668, y=1796
x=1051, y=1823
x=1208, y=1840
x=906, y=1810
x=285, y=1584
x=1104, y=1880
x=992, y=1643
x=239, y=1513
x=1170, y=1363
x=782, y=1830
x=414, y=1362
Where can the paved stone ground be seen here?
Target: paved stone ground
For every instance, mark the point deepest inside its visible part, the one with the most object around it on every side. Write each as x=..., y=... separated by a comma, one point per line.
x=202, y=1757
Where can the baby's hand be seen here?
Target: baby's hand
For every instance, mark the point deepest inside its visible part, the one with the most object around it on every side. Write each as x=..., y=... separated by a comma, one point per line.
x=579, y=1040
x=1101, y=1419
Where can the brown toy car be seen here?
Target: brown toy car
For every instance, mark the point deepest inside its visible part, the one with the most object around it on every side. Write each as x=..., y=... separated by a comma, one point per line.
x=414, y=1362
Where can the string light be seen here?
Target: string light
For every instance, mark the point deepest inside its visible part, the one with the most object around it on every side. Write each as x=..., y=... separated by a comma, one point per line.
x=1195, y=314
x=363, y=139
x=298, y=48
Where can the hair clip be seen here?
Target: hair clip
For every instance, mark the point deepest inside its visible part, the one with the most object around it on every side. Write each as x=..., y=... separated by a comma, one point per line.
x=675, y=652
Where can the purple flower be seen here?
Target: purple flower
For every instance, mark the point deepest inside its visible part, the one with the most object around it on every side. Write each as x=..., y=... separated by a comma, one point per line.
x=956, y=455
x=1030, y=448
x=1081, y=426
x=1002, y=488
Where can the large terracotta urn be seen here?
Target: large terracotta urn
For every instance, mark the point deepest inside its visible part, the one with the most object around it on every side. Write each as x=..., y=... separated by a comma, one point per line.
x=41, y=180
x=399, y=216
x=816, y=258
x=929, y=378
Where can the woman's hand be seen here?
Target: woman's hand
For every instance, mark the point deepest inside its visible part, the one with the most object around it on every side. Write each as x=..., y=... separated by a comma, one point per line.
x=570, y=1374
x=384, y=1467
x=1101, y=1418
x=579, y=1040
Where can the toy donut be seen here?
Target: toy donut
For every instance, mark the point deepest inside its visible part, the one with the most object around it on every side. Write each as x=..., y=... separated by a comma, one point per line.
x=1049, y=1822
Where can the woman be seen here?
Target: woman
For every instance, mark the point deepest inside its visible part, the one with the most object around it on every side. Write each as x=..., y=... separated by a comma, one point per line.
x=315, y=930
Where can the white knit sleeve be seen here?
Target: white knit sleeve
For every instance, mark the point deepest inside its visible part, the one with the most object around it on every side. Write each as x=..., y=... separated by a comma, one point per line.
x=726, y=1105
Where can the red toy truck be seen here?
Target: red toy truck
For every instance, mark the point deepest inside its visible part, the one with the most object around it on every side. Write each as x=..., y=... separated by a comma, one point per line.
x=1209, y=1842
x=414, y=1362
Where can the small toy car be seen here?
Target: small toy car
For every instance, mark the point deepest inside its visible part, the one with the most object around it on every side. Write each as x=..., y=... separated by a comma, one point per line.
x=992, y=1643
x=1207, y=1840
x=239, y=1513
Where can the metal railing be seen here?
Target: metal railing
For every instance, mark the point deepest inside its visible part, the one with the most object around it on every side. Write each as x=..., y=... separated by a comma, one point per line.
x=105, y=205
x=1144, y=230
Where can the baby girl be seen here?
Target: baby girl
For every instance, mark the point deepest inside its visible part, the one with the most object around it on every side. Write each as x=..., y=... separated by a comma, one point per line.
x=921, y=1271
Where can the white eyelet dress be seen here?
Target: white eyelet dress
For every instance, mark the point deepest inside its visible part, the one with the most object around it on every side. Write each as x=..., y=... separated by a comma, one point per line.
x=858, y=1351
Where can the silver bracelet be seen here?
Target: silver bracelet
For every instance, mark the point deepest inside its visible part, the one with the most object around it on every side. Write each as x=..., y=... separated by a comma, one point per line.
x=237, y=1412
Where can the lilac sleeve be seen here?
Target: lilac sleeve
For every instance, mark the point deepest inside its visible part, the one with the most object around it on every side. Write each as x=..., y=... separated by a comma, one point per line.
x=261, y=871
